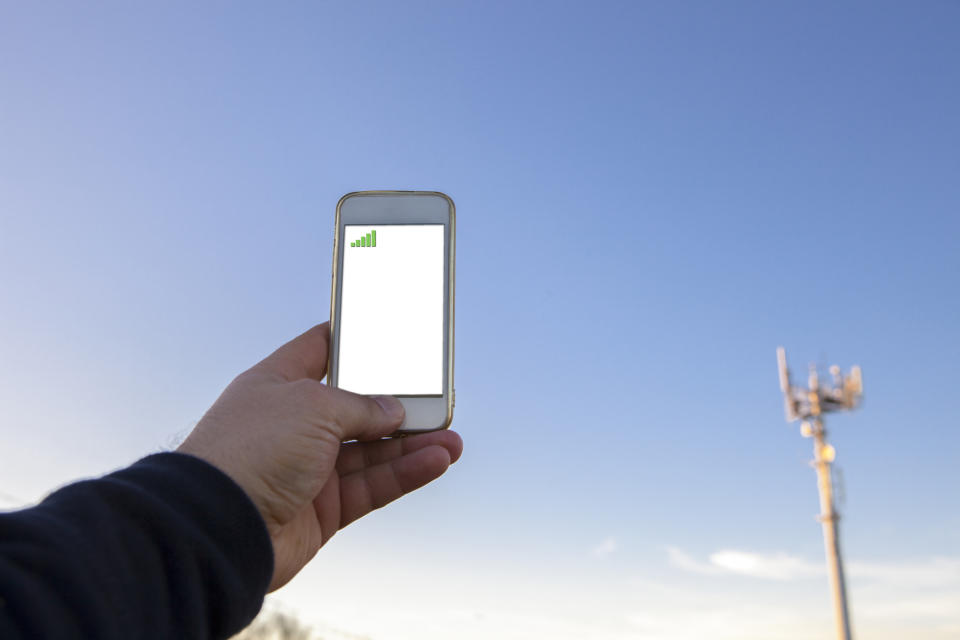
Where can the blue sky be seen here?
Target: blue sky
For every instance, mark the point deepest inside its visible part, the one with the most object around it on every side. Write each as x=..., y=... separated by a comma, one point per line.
x=651, y=197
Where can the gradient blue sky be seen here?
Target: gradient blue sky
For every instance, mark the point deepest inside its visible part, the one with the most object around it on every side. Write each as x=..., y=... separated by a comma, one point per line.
x=651, y=197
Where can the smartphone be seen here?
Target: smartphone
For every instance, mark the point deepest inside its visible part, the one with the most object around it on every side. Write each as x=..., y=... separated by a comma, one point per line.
x=391, y=302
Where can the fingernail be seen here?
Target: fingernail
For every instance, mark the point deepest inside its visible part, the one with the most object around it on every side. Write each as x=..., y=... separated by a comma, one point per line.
x=390, y=405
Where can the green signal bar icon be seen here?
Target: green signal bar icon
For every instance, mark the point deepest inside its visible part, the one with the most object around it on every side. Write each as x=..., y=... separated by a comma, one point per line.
x=369, y=240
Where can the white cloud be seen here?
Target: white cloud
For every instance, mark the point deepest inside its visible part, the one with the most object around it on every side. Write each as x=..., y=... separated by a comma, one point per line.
x=919, y=597
x=926, y=572
x=605, y=548
x=777, y=566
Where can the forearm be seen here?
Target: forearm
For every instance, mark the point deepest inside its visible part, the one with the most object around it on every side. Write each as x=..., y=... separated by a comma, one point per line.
x=167, y=548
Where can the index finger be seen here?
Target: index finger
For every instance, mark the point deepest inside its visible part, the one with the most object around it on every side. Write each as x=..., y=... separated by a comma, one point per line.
x=303, y=357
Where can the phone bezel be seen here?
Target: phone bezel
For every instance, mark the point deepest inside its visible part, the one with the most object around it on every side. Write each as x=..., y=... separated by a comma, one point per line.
x=401, y=207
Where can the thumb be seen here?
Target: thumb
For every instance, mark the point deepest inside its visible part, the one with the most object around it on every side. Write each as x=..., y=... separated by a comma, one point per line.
x=354, y=416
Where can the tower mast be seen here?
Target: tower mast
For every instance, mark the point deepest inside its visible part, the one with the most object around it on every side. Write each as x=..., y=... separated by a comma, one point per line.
x=809, y=405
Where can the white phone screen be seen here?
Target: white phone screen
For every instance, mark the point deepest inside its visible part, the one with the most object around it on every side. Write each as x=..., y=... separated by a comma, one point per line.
x=391, y=310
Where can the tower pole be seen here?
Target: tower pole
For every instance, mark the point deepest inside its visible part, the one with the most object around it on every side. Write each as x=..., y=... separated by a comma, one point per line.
x=823, y=455
x=831, y=540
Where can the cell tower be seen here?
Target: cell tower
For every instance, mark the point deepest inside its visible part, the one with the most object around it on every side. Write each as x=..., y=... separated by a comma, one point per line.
x=809, y=405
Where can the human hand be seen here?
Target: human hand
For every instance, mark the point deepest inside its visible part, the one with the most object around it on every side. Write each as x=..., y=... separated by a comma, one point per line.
x=279, y=433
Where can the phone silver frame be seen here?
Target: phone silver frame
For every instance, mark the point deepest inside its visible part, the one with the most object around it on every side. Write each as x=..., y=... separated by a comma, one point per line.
x=398, y=207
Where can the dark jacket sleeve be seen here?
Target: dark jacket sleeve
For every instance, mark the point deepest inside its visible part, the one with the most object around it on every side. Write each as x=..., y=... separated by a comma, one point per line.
x=169, y=547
